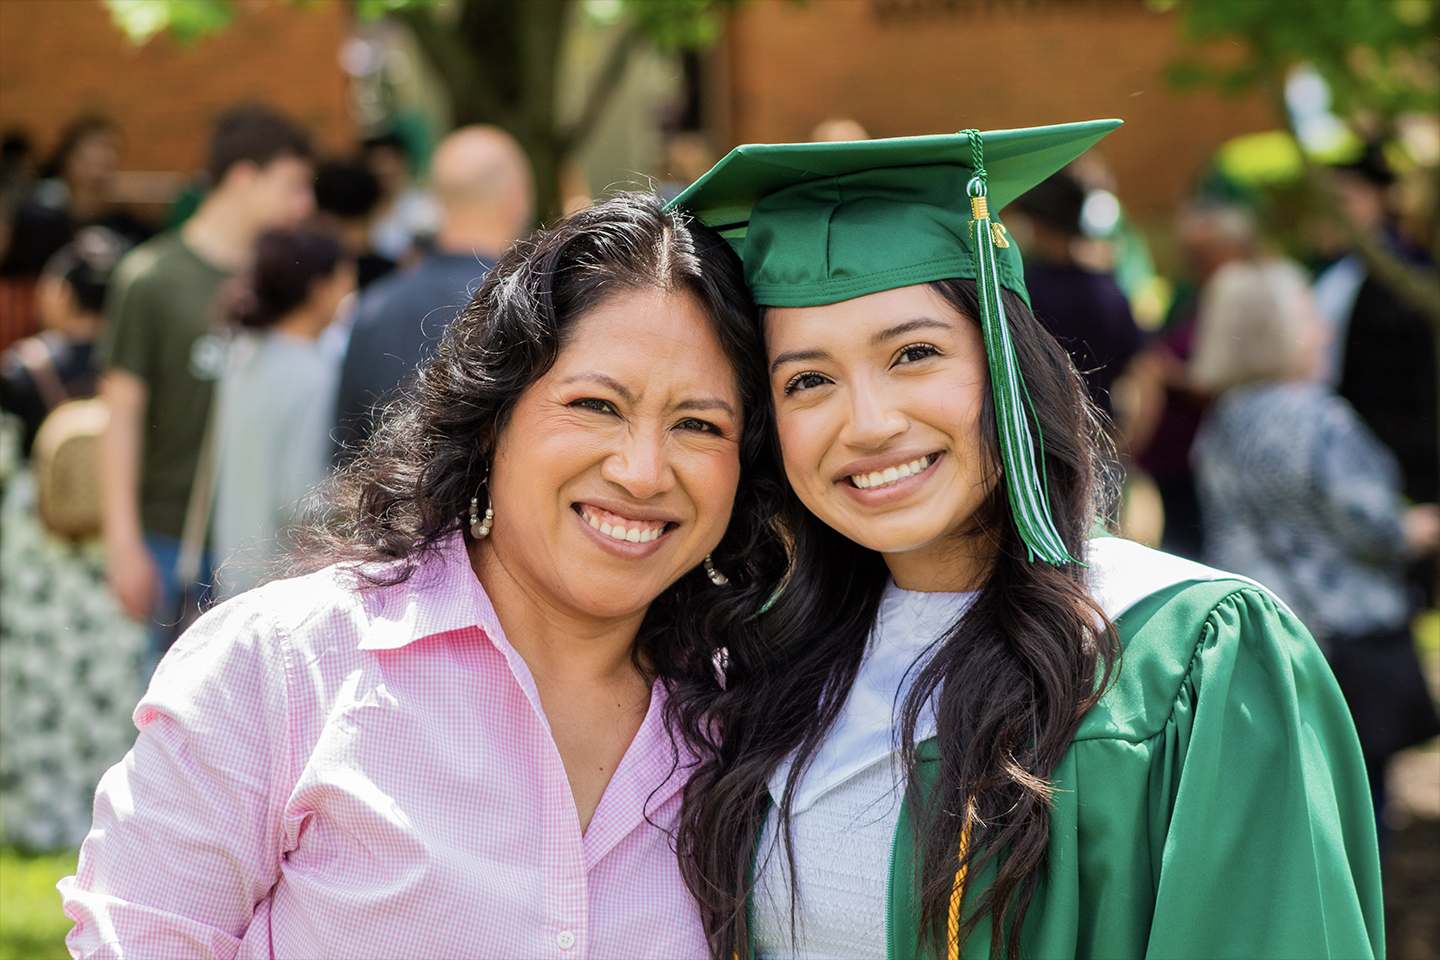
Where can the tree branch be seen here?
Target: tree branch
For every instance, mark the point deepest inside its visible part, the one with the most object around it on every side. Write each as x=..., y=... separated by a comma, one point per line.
x=607, y=81
x=473, y=99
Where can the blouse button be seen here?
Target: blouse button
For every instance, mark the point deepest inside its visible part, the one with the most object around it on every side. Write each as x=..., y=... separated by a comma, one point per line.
x=565, y=939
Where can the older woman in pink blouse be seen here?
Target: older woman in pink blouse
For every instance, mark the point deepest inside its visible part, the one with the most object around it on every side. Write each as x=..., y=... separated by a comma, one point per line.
x=453, y=741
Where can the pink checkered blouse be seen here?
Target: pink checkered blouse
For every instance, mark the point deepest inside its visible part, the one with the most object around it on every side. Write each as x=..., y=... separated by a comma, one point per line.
x=330, y=772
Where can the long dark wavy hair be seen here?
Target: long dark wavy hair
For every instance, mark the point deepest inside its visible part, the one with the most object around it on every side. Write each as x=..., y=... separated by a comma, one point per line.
x=411, y=485
x=1010, y=682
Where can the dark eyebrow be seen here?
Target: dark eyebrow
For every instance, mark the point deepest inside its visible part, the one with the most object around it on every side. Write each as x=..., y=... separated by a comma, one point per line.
x=604, y=380
x=705, y=403
x=797, y=356
x=699, y=403
x=919, y=323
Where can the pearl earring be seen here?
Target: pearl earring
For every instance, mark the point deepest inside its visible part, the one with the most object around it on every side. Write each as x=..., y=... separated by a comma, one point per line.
x=480, y=529
x=716, y=577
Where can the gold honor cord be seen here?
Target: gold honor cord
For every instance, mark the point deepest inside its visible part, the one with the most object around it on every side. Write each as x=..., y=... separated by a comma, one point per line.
x=1024, y=471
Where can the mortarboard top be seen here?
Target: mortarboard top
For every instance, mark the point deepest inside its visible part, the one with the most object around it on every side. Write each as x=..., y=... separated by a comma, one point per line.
x=817, y=223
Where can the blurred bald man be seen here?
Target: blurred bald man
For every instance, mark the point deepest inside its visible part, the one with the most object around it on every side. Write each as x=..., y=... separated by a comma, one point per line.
x=482, y=181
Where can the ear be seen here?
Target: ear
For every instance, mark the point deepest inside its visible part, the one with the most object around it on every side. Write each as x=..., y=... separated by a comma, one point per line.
x=241, y=174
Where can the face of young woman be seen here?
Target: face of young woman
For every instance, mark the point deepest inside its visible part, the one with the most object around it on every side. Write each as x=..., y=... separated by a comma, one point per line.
x=617, y=471
x=878, y=405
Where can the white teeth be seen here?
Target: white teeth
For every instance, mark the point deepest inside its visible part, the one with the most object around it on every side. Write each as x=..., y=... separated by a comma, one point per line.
x=628, y=534
x=883, y=478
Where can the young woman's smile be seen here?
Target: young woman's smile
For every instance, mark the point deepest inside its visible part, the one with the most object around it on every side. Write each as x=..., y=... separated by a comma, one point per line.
x=878, y=403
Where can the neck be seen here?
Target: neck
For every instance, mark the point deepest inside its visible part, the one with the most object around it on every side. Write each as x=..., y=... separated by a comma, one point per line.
x=303, y=322
x=86, y=200
x=956, y=565
x=486, y=234
x=78, y=326
x=220, y=233
x=555, y=643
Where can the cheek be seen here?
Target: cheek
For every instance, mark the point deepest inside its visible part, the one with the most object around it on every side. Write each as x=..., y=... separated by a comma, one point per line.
x=801, y=446
x=714, y=481
x=960, y=405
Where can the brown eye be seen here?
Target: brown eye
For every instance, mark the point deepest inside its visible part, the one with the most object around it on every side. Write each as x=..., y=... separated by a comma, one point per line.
x=916, y=352
x=594, y=403
x=804, y=381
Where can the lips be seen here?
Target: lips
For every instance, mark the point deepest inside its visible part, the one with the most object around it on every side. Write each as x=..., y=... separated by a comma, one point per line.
x=879, y=479
x=618, y=527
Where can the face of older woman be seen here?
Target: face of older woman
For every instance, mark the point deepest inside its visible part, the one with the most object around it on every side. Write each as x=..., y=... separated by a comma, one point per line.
x=878, y=405
x=617, y=471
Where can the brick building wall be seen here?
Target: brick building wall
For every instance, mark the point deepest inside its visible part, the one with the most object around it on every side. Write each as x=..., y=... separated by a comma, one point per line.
x=904, y=67
x=63, y=58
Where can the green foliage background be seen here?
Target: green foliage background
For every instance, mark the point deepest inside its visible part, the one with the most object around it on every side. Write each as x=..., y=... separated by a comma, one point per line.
x=32, y=926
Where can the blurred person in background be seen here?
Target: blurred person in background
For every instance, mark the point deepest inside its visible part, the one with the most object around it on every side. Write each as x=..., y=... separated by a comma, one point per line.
x=39, y=373
x=1299, y=494
x=1382, y=352
x=482, y=179
x=162, y=356
x=73, y=191
x=1211, y=234
x=688, y=155
x=68, y=658
x=406, y=216
x=838, y=130
x=1086, y=311
x=17, y=173
x=276, y=399
x=346, y=193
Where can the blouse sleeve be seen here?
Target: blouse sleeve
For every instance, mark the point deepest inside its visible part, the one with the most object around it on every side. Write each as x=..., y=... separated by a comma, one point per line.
x=1261, y=809
x=1359, y=488
x=184, y=849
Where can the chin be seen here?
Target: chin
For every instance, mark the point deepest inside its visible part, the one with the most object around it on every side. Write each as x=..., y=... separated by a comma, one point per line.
x=608, y=599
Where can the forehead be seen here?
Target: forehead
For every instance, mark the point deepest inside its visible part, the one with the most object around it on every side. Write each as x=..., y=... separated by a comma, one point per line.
x=649, y=336
x=855, y=321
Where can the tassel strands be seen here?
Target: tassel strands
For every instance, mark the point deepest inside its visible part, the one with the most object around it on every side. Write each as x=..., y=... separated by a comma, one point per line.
x=1024, y=471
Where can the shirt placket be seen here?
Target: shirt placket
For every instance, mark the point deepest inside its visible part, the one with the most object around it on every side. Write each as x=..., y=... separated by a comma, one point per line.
x=566, y=920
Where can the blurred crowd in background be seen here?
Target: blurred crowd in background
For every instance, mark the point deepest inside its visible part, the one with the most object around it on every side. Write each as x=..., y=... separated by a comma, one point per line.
x=1271, y=416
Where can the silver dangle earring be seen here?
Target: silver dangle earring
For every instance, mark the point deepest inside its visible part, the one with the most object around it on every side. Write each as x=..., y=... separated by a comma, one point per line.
x=480, y=529
x=716, y=577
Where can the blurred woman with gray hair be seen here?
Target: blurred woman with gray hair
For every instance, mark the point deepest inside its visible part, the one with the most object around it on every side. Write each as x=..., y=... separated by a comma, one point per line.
x=1296, y=492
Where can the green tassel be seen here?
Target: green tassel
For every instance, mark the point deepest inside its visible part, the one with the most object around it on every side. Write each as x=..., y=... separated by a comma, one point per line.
x=1024, y=483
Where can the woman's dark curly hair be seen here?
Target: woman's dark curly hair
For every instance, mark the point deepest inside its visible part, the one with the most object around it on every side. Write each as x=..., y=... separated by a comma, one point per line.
x=410, y=487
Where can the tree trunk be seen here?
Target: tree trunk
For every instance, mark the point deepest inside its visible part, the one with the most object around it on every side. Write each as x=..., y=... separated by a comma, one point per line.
x=499, y=63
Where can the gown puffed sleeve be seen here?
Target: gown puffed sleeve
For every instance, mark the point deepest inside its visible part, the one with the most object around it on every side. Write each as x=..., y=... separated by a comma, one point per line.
x=1214, y=803
x=184, y=848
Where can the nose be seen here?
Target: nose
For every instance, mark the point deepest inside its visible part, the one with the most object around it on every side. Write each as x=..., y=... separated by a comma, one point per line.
x=874, y=417
x=641, y=466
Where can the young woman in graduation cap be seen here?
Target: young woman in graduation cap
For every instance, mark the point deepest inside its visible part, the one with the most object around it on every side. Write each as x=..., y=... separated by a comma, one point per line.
x=971, y=724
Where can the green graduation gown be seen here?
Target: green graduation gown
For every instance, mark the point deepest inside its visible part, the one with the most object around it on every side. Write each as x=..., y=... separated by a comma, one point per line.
x=1213, y=803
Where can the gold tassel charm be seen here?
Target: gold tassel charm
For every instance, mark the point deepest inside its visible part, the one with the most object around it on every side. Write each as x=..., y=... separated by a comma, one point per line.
x=998, y=234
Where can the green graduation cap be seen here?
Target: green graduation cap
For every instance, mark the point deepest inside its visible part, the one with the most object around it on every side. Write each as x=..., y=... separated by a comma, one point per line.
x=817, y=223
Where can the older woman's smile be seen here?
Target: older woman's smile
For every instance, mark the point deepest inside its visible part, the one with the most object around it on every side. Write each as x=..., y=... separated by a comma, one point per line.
x=622, y=528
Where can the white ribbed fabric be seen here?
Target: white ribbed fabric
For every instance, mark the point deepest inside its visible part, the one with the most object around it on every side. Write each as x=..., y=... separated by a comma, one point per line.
x=842, y=847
